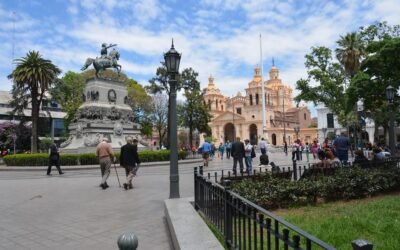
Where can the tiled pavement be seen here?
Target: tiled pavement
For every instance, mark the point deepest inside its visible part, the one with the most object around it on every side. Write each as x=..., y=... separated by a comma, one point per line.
x=72, y=212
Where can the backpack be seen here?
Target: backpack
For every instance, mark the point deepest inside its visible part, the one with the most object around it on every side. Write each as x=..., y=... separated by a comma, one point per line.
x=253, y=153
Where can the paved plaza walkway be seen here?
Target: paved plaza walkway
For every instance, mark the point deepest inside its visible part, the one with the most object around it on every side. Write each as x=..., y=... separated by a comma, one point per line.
x=72, y=212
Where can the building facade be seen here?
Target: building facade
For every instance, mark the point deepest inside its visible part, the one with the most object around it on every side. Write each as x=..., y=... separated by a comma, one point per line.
x=242, y=115
x=51, y=116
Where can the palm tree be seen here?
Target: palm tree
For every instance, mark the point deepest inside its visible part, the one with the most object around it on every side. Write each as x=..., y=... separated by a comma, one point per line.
x=350, y=52
x=35, y=74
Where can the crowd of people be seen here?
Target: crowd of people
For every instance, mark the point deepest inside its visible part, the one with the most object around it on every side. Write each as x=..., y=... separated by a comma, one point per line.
x=333, y=152
x=237, y=150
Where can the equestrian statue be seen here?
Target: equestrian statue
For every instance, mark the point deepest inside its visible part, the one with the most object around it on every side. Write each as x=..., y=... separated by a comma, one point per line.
x=105, y=61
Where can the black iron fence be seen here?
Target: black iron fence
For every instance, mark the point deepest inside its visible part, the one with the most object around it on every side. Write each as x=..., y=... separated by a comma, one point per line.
x=296, y=171
x=243, y=224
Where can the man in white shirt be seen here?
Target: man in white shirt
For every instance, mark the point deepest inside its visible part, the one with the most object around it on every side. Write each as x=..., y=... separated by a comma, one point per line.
x=247, y=155
x=263, y=146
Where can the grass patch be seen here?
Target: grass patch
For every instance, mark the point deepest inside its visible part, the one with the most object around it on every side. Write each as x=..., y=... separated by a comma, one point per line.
x=375, y=219
x=215, y=231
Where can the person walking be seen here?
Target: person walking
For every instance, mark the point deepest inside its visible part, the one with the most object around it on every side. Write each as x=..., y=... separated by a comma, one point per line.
x=247, y=155
x=301, y=147
x=228, y=146
x=307, y=150
x=206, y=151
x=295, y=150
x=54, y=159
x=129, y=159
x=221, y=150
x=237, y=153
x=263, y=146
x=285, y=148
x=105, y=156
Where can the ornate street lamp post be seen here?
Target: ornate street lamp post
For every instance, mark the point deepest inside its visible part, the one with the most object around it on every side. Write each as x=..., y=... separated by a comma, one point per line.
x=172, y=60
x=297, y=130
x=390, y=91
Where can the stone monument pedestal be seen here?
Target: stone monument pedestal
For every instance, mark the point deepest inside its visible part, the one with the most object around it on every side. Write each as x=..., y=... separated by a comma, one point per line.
x=104, y=113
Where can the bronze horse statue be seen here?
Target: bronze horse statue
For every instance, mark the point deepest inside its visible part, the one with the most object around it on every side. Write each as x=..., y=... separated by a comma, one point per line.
x=105, y=62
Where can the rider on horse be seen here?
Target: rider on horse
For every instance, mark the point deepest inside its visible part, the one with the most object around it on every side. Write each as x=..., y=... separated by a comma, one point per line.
x=105, y=61
x=103, y=51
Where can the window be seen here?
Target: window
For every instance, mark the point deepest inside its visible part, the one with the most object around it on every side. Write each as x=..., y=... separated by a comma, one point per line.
x=222, y=107
x=216, y=105
x=305, y=116
x=209, y=104
x=256, y=99
x=239, y=111
x=251, y=100
x=329, y=119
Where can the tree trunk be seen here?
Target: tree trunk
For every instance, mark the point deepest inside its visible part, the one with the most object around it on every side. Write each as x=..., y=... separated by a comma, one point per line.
x=190, y=136
x=35, y=116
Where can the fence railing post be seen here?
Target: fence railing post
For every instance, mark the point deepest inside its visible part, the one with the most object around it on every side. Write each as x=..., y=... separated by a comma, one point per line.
x=361, y=245
x=227, y=213
x=294, y=170
x=196, y=189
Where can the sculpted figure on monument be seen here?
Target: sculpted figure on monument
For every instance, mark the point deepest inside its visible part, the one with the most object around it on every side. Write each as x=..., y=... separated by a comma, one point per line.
x=79, y=130
x=67, y=142
x=94, y=95
x=105, y=61
x=118, y=129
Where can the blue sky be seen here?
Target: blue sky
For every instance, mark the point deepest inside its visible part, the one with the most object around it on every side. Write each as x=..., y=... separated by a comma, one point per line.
x=218, y=37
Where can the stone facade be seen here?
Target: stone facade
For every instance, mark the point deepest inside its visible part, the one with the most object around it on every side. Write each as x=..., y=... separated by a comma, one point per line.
x=241, y=115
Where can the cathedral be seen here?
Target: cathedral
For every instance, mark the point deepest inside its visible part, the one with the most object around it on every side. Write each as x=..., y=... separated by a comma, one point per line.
x=242, y=115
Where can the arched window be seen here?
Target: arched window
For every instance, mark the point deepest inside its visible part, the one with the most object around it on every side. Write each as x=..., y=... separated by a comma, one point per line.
x=305, y=116
x=251, y=99
x=222, y=107
x=256, y=99
x=216, y=105
x=209, y=104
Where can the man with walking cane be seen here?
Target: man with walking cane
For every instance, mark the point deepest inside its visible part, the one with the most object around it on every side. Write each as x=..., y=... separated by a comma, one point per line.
x=105, y=155
x=129, y=159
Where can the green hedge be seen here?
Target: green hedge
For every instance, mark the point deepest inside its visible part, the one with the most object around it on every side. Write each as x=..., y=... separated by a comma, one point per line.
x=344, y=184
x=83, y=159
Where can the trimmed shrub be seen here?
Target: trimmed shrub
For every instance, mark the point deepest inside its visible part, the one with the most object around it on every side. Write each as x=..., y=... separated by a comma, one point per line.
x=346, y=183
x=27, y=160
x=83, y=159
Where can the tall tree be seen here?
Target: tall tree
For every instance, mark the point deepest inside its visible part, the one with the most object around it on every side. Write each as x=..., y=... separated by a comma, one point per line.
x=350, y=52
x=141, y=105
x=68, y=93
x=193, y=114
x=330, y=80
x=159, y=115
x=159, y=84
x=36, y=74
